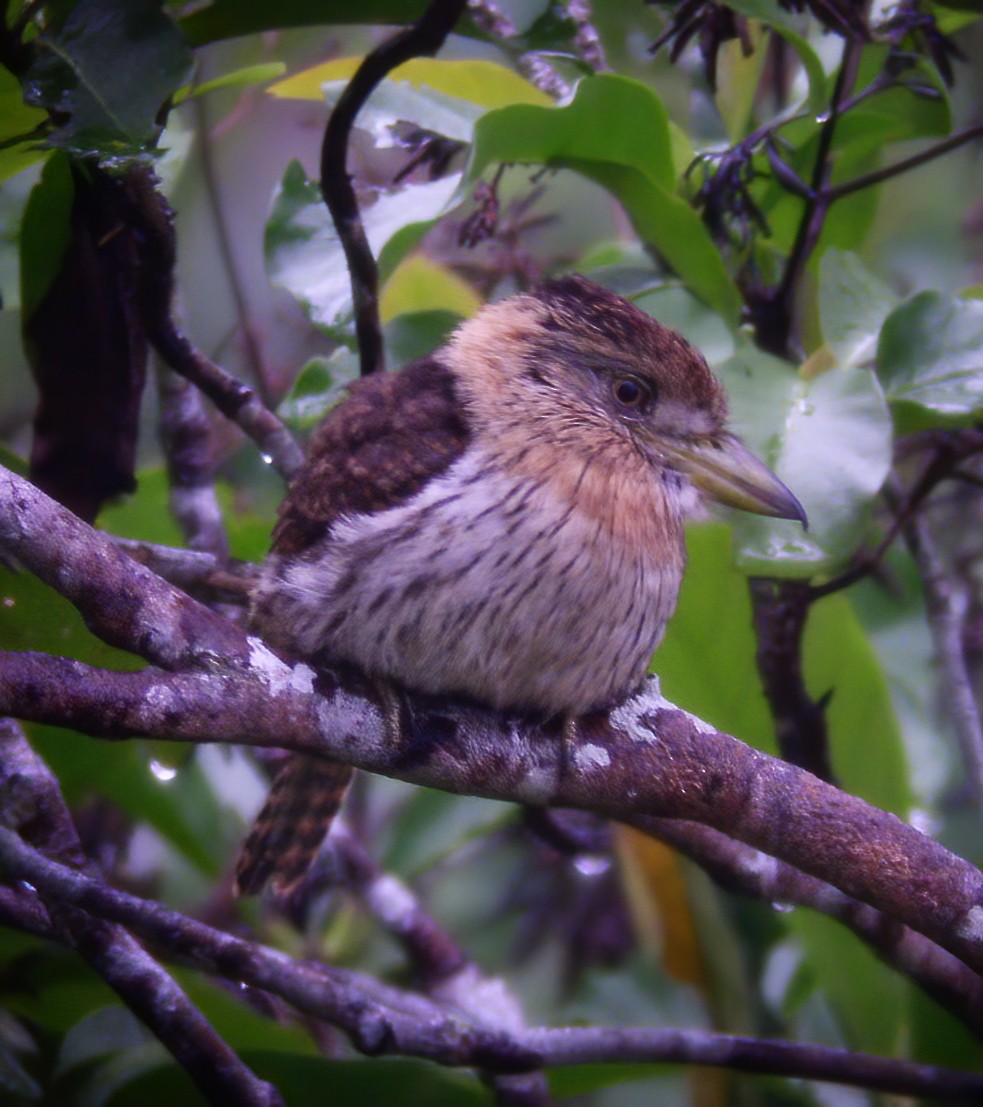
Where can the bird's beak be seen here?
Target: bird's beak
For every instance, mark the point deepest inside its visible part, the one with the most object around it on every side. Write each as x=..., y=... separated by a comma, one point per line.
x=725, y=469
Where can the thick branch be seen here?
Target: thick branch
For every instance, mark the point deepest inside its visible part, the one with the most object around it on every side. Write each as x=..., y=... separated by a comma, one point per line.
x=645, y=758
x=123, y=603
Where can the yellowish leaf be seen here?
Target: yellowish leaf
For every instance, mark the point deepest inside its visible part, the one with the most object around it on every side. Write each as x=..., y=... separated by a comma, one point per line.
x=480, y=82
x=420, y=284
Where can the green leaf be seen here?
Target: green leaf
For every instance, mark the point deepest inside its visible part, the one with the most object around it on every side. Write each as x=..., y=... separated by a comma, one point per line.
x=706, y=662
x=868, y=998
x=17, y=119
x=304, y=255
x=597, y=134
x=420, y=284
x=248, y=75
x=930, y=360
x=853, y=305
x=829, y=439
x=318, y=388
x=838, y=658
x=109, y=68
x=475, y=81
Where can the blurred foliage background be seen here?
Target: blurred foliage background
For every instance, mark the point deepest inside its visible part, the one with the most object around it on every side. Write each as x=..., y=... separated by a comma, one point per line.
x=680, y=182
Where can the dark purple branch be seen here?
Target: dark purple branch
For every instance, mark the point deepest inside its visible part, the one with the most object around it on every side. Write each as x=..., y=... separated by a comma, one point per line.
x=381, y=1019
x=32, y=805
x=959, y=138
x=157, y=1000
x=149, y=214
x=780, y=612
x=578, y=1046
x=645, y=758
x=423, y=38
x=123, y=603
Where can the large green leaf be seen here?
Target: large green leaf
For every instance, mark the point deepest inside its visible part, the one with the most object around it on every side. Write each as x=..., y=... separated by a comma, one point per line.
x=304, y=254
x=930, y=360
x=829, y=439
x=853, y=305
x=706, y=662
x=17, y=119
x=107, y=70
x=616, y=132
x=707, y=666
x=475, y=81
x=868, y=998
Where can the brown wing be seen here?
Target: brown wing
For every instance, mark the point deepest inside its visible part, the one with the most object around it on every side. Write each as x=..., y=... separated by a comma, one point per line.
x=388, y=437
x=392, y=433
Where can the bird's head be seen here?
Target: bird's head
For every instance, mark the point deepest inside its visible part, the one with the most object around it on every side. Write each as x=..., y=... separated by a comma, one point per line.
x=579, y=365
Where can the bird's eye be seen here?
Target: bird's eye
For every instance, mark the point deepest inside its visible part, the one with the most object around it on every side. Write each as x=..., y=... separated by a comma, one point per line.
x=631, y=392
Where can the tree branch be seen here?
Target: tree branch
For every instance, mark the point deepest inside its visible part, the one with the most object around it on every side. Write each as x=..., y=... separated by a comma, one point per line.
x=186, y=435
x=644, y=758
x=31, y=802
x=647, y=757
x=381, y=1019
x=151, y=216
x=945, y=619
x=747, y=871
x=425, y=37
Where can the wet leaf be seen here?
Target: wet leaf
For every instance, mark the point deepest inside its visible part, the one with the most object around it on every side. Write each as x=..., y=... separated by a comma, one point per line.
x=597, y=134
x=829, y=439
x=930, y=360
x=106, y=71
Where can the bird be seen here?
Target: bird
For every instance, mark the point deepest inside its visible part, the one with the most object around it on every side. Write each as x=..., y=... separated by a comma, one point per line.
x=502, y=520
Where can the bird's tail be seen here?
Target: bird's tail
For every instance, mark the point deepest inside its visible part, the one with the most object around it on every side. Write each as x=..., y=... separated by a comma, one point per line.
x=304, y=798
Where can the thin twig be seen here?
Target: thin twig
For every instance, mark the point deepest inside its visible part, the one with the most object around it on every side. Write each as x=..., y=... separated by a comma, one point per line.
x=959, y=138
x=449, y=975
x=149, y=213
x=196, y=572
x=945, y=619
x=254, y=353
x=423, y=38
x=814, y=215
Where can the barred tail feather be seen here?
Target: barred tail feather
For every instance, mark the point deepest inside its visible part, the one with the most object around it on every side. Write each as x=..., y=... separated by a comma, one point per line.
x=287, y=834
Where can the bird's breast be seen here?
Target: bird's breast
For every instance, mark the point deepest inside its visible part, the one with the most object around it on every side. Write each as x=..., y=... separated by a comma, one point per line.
x=522, y=587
